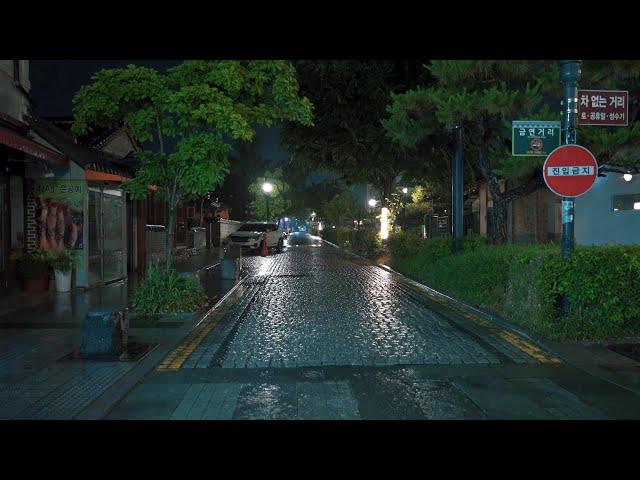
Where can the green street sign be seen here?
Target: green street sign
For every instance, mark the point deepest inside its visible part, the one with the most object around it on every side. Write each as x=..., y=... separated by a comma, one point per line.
x=534, y=138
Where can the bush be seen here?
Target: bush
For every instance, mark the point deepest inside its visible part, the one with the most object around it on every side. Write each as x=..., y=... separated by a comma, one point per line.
x=525, y=283
x=365, y=241
x=63, y=261
x=338, y=236
x=601, y=284
x=33, y=264
x=404, y=244
x=167, y=292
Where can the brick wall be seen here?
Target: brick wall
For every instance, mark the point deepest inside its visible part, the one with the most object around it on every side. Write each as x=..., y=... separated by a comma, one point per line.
x=30, y=227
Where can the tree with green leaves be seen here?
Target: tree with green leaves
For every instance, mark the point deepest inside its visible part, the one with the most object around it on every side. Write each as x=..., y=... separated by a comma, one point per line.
x=279, y=202
x=484, y=96
x=185, y=119
x=341, y=207
x=347, y=138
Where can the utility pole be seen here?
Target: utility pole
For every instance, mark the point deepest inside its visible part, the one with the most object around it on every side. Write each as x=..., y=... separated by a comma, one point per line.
x=457, y=195
x=268, y=213
x=569, y=77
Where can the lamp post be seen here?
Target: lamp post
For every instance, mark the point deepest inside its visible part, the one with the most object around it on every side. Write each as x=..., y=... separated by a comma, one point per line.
x=267, y=189
x=457, y=189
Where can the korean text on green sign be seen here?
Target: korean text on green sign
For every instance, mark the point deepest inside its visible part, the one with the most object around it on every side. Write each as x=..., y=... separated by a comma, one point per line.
x=534, y=138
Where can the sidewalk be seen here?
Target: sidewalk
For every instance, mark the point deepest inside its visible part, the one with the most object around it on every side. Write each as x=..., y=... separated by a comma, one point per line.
x=38, y=332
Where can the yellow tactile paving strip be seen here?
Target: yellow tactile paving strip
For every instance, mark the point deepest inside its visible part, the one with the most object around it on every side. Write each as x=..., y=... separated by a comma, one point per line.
x=177, y=357
x=510, y=337
x=181, y=353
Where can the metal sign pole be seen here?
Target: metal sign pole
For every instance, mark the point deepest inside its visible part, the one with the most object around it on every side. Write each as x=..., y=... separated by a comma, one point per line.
x=569, y=76
x=457, y=191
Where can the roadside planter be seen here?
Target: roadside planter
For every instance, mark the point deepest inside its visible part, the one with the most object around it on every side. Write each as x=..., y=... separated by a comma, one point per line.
x=33, y=269
x=63, y=268
x=63, y=281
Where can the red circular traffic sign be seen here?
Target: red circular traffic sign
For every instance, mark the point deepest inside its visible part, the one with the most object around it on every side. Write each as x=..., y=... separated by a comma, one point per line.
x=570, y=170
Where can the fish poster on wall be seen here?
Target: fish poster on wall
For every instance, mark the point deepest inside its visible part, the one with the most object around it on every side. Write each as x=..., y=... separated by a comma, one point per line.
x=59, y=213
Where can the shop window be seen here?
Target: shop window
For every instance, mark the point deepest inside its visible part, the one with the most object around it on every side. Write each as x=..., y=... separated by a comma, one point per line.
x=626, y=202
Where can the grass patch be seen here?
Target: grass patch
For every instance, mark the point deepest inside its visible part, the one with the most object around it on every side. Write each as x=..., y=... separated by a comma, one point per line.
x=168, y=292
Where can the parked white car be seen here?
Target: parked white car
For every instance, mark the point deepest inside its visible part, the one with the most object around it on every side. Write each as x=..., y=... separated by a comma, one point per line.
x=250, y=235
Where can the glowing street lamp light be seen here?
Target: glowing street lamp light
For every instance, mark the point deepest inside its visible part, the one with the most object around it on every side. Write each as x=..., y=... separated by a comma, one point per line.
x=372, y=203
x=627, y=177
x=384, y=223
x=405, y=190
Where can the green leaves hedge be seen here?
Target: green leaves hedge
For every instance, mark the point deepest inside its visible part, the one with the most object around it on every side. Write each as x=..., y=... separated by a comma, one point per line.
x=363, y=241
x=167, y=292
x=525, y=283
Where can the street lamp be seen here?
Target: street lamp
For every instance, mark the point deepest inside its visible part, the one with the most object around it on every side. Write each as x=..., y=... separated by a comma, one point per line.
x=267, y=188
x=372, y=203
x=627, y=177
x=405, y=190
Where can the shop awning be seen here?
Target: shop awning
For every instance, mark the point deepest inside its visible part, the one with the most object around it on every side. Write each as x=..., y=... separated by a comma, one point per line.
x=96, y=176
x=25, y=144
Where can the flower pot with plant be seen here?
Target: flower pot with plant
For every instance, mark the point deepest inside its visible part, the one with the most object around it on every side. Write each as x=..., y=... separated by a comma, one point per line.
x=63, y=268
x=32, y=268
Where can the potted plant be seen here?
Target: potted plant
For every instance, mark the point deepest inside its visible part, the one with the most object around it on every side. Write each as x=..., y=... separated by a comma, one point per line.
x=32, y=268
x=63, y=268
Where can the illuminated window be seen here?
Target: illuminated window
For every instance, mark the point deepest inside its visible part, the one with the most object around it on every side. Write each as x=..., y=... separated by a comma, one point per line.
x=626, y=202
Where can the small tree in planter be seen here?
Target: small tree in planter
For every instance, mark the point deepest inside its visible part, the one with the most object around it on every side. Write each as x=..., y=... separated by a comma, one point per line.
x=63, y=264
x=32, y=267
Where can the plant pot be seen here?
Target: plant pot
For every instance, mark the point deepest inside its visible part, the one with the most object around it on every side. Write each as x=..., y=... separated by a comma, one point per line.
x=36, y=285
x=63, y=281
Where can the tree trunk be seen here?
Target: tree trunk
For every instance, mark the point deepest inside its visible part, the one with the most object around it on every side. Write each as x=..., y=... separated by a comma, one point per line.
x=386, y=191
x=171, y=219
x=497, y=231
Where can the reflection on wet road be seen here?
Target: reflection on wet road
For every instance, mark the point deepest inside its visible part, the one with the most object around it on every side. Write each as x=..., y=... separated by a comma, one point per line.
x=315, y=333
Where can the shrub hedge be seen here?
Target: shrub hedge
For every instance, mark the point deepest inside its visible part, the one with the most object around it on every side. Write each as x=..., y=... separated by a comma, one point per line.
x=363, y=241
x=526, y=282
x=167, y=292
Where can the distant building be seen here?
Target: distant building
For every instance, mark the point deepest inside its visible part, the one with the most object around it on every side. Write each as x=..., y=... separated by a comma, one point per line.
x=609, y=213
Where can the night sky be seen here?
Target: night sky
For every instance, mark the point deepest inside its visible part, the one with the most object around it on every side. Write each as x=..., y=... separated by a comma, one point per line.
x=54, y=82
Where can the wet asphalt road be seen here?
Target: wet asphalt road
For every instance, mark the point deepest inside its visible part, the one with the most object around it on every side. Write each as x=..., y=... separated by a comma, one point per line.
x=314, y=333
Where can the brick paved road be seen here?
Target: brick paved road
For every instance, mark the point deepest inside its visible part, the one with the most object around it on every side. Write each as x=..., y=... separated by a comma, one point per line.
x=315, y=333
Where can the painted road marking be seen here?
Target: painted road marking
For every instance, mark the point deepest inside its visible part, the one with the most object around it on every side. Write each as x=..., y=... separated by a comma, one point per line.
x=177, y=357
x=516, y=340
x=510, y=337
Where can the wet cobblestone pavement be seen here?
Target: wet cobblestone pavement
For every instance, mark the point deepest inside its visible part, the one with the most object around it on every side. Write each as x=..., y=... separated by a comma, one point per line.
x=314, y=333
x=317, y=306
